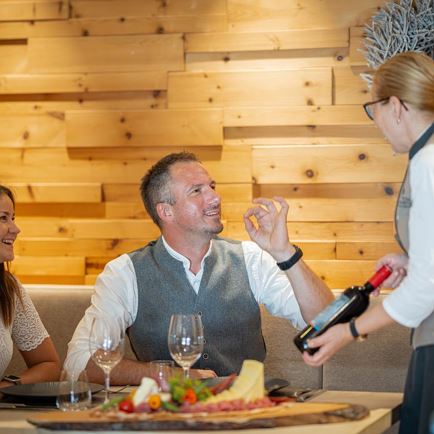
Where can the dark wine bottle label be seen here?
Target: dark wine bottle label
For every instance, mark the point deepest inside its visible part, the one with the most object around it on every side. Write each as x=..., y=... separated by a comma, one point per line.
x=330, y=312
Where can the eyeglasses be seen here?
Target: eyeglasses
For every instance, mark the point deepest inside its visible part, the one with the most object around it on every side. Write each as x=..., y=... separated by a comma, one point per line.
x=368, y=108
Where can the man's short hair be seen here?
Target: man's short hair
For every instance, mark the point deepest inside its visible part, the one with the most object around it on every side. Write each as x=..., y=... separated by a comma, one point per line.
x=155, y=185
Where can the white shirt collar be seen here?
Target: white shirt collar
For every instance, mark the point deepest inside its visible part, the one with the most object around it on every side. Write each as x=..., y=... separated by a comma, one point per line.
x=185, y=261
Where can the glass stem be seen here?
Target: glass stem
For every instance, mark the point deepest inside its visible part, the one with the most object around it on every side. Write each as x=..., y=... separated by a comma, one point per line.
x=186, y=371
x=107, y=386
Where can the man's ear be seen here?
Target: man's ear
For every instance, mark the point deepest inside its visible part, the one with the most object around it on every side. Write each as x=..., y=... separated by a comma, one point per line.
x=164, y=211
x=397, y=108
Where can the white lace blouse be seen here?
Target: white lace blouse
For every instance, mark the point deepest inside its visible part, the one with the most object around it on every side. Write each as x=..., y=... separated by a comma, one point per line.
x=26, y=331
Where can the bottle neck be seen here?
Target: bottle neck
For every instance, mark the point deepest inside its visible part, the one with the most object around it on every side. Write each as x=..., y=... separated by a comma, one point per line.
x=377, y=279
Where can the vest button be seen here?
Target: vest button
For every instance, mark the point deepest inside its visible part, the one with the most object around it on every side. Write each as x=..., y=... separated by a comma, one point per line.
x=204, y=340
x=205, y=356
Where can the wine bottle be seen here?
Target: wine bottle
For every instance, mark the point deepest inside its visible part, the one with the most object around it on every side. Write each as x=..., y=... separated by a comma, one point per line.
x=351, y=303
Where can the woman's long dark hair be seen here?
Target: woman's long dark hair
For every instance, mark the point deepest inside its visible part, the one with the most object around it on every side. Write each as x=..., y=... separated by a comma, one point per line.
x=9, y=289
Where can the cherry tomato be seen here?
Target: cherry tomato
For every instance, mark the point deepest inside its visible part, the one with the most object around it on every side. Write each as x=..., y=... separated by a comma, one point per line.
x=126, y=406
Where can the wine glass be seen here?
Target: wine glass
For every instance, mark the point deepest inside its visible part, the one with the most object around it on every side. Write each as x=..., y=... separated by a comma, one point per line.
x=185, y=340
x=106, y=345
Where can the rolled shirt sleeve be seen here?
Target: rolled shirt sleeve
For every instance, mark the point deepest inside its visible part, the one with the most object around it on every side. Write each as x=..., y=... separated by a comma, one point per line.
x=412, y=301
x=115, y=297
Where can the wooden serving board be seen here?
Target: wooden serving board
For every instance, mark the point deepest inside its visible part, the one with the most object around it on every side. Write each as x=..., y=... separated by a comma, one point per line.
x=288, y=414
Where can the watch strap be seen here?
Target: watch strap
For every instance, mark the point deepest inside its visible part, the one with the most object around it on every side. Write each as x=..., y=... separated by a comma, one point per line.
x=354, y=331
x=286, y=265
x=13, y=379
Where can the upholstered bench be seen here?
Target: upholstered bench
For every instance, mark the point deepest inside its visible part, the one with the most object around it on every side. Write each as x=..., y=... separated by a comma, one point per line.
x=378, y=364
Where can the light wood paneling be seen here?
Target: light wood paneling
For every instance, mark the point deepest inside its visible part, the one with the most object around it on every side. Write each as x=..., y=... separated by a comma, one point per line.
x=366, y=250
x=342, y=274
x=13, y=10
x=301, y=39
x=126, y=8
x=349, y=87
x=13, y=58
x=29, y=130
x=253, y=15
x=322, y=164
x=106, y=54
x=327, y=231
x=114, y=26
x=42, y=192
x=267, y=93
x=232, y=89
x=267, y=60
x=319, y=115
x=48, y=266
x=144, y=128
x=52, y=83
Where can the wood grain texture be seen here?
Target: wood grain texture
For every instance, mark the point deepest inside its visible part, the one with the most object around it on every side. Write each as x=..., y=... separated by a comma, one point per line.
x=234, y=89
x=301, y=39
x=106, y=54
x=13, y=10
x=144, y=128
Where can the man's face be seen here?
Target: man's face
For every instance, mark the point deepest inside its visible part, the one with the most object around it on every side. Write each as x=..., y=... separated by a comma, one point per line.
x=197, y=205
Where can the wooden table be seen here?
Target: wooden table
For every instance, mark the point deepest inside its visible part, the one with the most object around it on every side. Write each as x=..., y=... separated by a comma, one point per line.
x=383, y=408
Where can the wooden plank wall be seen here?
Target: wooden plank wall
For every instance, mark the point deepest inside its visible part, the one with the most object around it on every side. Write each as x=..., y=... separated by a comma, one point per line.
x=266, y=92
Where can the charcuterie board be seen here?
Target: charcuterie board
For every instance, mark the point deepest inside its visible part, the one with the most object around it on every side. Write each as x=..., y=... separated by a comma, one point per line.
x=286, y=414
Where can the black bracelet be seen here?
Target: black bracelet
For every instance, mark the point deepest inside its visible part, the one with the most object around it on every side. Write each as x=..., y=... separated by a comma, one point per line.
x=355, y=332
x=286, y=265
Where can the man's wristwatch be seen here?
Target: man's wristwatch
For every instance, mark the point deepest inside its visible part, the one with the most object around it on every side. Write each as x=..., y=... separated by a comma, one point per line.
x=354, y=331
x=286, y=265
x=13, y=379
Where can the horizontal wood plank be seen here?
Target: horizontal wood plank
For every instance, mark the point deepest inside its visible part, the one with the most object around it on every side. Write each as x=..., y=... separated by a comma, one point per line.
x=132, y=25
x=11, y=10
x=267, y=60
x=62, y=192
x=144, y=128
x=251, y=15
x=130, y=192
x=127, y=8
x=62, y=83
x=61, y=209
x=106, y=54
x=296, y=39
x=13, y=59
x=52, y=246
x=318, y=115
x=349, y=87
x=365, y=250
x=61, y=102
x=330, y=191
x=322, y=164
x=304, y=135
x=19, y=165
x=234, y=89
x=326, y=231
x=48, y=266
x=342, y=274
x=32, y=129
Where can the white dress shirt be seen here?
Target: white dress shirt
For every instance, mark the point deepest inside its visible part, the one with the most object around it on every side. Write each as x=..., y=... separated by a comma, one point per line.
x=413, y=300
x=116, y=295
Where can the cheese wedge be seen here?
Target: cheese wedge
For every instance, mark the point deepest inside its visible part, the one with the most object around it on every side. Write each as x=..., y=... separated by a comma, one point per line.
x=249, y=385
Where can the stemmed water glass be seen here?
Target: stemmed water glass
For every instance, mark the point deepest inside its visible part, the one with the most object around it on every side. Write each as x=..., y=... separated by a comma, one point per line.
x=185, y=340
x=106, y=345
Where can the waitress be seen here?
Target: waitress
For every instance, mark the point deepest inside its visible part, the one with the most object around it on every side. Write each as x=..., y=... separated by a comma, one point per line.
x=403, y=109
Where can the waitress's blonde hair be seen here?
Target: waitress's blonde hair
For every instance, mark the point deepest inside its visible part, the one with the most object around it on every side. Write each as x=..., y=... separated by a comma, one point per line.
x=410, y=77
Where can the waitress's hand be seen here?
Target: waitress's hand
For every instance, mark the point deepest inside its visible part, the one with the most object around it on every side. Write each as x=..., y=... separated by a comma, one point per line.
x=398, y=262
x=329, y=343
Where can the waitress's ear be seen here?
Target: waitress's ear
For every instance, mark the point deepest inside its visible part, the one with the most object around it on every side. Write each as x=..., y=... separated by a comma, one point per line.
x=397, y=108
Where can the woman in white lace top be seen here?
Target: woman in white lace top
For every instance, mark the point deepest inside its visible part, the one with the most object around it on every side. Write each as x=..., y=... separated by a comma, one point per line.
x=19, y=322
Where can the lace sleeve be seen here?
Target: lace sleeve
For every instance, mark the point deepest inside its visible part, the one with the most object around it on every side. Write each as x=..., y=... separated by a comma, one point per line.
x=28, y=332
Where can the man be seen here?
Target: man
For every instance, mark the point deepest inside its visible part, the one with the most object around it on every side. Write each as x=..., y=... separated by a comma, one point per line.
x=191, y=270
